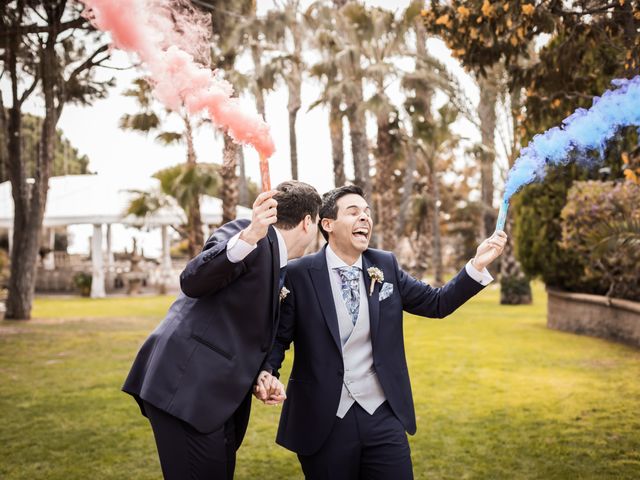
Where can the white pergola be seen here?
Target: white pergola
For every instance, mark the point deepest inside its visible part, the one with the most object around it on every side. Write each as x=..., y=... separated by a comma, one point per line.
x=93, y=200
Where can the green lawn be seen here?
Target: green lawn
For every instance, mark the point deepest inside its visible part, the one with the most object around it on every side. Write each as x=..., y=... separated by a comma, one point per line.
x=498, y=396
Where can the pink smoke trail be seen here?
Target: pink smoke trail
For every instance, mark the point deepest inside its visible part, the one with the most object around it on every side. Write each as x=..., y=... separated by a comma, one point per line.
x=166, y=35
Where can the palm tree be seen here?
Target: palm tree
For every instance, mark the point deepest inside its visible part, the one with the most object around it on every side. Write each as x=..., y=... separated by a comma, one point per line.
x=489, y=85
x=438, y=145
x=615, y=235
x=280, y=35
x=387, y=44
x=327, y=72
x=147, y=121
x=260, y=32
x=228, y=18
x=421, y=219
x=514, y=285
x=291, y=67
x=182, y=185
x=351, y=23
x=428, y=147
x=418, y=105
x=342, y=35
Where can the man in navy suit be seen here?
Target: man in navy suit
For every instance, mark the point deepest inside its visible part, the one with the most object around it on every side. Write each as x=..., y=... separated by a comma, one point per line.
x=349, y=402
x=193, y=376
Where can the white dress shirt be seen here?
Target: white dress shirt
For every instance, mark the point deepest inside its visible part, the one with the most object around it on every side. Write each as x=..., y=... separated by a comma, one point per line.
x=483, y=277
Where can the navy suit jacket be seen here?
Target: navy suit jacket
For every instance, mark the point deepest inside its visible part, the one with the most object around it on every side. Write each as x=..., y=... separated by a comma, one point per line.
x=308, y=319
x=201, y=362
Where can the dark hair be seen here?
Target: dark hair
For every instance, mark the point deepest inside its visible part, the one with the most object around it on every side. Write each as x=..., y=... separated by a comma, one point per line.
x=329, y=208
x=296, y=200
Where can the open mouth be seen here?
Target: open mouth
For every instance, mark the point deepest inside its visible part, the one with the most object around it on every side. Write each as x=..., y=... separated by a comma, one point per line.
x=361, y=233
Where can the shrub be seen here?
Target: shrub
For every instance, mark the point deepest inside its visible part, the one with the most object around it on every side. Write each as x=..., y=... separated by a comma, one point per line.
x=515, y=291
x=537, y=233
x=594, y=207
x=82, y=281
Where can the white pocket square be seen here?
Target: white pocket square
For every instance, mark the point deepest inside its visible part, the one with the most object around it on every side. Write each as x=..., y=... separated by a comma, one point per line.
x=385, y=291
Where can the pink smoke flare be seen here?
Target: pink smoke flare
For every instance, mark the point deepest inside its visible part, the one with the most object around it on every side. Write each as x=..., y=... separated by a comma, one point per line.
x=166, y=35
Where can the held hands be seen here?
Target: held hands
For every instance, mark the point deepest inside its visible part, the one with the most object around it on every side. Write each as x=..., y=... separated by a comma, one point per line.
x=265, y=213
x=268, y=389
x=489, y=250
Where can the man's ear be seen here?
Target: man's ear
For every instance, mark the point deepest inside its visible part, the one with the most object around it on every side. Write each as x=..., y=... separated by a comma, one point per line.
x=327, y=224
x=306, y=223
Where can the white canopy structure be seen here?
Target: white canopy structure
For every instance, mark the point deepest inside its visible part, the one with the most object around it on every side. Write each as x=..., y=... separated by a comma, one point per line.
x=93, y=200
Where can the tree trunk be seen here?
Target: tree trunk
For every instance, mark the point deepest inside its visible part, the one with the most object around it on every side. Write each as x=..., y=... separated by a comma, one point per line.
x=195, y=234
x=294, y=84
x=385, y=183
x=229, y=190
x=194, y=218
x=293, y=149
x=487, y=113
x=243, y=188
x=25, y=241
x=256, y=55
x=407, y=188
x=632, y=62
x=423, y=99
x=514, y=285
x=437, y=243
x=337, y=142
x=359, y=145
x=258, y=93
x=422, y=239
x=30, y=199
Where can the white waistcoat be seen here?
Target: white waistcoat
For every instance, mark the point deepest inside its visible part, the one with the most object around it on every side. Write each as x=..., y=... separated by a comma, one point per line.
x=360, y=383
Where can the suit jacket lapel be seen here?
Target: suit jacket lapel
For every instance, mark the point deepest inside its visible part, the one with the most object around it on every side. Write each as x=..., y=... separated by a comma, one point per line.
x=322, y=286
x=373, y=299
x=275, y=272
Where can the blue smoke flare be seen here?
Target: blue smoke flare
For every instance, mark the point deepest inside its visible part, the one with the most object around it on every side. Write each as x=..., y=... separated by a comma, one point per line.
x=582, y=131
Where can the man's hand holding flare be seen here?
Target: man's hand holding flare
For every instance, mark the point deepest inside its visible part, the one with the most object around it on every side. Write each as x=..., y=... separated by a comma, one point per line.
x=265, y=213
x=489, y=250
x=268, y=389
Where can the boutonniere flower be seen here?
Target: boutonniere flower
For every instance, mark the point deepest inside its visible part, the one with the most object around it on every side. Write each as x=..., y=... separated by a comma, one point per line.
x=284, y=291
x=376, y=275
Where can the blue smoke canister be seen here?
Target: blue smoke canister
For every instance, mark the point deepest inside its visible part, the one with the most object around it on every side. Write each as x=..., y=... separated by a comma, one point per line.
x=502, y=215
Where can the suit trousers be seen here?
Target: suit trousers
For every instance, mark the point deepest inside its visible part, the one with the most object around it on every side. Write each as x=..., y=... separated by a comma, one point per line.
x=186, y=454
x=362, y=447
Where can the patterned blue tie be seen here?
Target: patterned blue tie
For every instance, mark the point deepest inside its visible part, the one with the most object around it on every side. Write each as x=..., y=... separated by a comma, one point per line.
x=350, y=279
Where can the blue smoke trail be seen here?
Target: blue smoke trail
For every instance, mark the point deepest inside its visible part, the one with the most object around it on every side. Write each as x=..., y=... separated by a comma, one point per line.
x=582, y=131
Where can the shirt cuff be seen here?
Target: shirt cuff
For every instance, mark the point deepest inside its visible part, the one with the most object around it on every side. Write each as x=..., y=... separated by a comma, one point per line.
x=483, y=277
x=238, y=249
